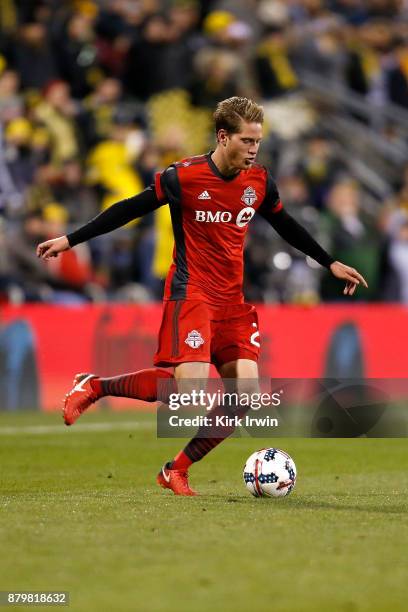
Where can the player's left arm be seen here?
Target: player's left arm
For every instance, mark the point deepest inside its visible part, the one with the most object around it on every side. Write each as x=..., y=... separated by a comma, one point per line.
x=297, y=236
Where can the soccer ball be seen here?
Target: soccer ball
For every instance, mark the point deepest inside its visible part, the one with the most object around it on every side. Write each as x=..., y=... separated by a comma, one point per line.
x=270, y=472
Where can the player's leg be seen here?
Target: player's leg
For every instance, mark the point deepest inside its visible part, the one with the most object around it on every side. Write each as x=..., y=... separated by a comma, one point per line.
x=142, y=385
x=234, y=349
x=241, y=377
x=240, y=370
x=185, y=343
x=183, y=337
x=174, y=474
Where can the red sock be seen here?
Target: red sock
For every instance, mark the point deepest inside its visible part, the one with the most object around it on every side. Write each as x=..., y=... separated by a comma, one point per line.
x=181, y=462
x=207, y=438
x=143, y=385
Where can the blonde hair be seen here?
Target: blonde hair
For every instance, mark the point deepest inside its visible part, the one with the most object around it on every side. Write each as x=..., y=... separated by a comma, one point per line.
x=231, y=112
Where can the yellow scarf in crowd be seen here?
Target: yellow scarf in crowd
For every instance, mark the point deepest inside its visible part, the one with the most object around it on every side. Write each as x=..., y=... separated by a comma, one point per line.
x=279, y=63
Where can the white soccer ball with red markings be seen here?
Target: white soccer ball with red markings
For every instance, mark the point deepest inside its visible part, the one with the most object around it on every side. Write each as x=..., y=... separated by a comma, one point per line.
x=270, y=472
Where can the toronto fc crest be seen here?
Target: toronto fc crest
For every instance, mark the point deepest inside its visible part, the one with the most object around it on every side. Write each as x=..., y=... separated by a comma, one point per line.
x=249, y=196
x=194, y=339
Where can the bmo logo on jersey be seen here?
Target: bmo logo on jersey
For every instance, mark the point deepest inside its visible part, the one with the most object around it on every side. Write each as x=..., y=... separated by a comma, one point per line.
x=244, y=216
x=207, y=216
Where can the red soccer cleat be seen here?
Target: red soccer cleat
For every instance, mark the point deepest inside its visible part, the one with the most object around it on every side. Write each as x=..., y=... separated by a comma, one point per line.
x=79, y=398
x=176, y=480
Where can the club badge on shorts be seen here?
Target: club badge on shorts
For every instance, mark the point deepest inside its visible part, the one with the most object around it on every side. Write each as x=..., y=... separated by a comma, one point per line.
x=194, y=339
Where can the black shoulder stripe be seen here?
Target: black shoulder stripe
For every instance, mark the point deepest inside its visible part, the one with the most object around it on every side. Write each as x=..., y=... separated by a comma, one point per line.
x=171, y=186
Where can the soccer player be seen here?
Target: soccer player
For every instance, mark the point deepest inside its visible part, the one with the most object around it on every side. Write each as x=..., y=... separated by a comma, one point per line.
x=212, y=199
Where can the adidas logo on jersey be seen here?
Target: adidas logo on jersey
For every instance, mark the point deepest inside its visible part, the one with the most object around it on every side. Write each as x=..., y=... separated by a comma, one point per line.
x=204, y=196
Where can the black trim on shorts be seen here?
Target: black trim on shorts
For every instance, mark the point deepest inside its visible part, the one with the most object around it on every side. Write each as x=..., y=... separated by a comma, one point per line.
x=175, y=335
x=170, y=184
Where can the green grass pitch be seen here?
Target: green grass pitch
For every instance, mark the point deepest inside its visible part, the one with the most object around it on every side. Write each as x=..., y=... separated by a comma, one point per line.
x=80, y=512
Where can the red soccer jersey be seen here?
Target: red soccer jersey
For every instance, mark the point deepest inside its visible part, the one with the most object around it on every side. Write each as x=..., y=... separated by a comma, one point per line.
x=210, y=214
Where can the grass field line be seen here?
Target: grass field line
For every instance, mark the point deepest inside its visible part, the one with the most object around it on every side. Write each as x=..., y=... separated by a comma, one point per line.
x=83, y=428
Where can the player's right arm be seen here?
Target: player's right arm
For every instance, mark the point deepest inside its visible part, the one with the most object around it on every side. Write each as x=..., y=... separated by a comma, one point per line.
x=110, y=219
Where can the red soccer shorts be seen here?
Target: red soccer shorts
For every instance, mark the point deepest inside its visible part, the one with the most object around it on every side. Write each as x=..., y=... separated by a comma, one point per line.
x=194, y=331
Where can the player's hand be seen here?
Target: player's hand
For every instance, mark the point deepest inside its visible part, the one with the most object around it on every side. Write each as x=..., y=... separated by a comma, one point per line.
x=350, y=275
x=51, y=248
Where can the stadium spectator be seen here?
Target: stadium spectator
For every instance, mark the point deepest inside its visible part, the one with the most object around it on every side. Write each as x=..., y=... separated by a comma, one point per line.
x=77, y=55
x=34, y=281
x=274, y=70
x=396, y=274
x=20, y=160
x=72, y=275
x=71, y=191
x=57, y=113
x=99, y=110
x=149, y=66
x=32, y=56
x=11, y=102
x=352, y=236
x=375, y=65
x=319, y=167
x=217, y=77
x=398, y=73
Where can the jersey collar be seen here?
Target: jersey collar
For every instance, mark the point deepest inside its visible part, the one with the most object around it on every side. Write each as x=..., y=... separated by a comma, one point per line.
x=217, y=173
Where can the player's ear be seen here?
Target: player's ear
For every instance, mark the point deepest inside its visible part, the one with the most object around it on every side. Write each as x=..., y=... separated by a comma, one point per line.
x=222, y=137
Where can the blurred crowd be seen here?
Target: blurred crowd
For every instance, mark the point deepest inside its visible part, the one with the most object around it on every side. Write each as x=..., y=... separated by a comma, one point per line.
x=97, y=95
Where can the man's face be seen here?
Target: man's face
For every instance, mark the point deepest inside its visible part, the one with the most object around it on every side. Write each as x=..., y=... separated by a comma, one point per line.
x=241, y=148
